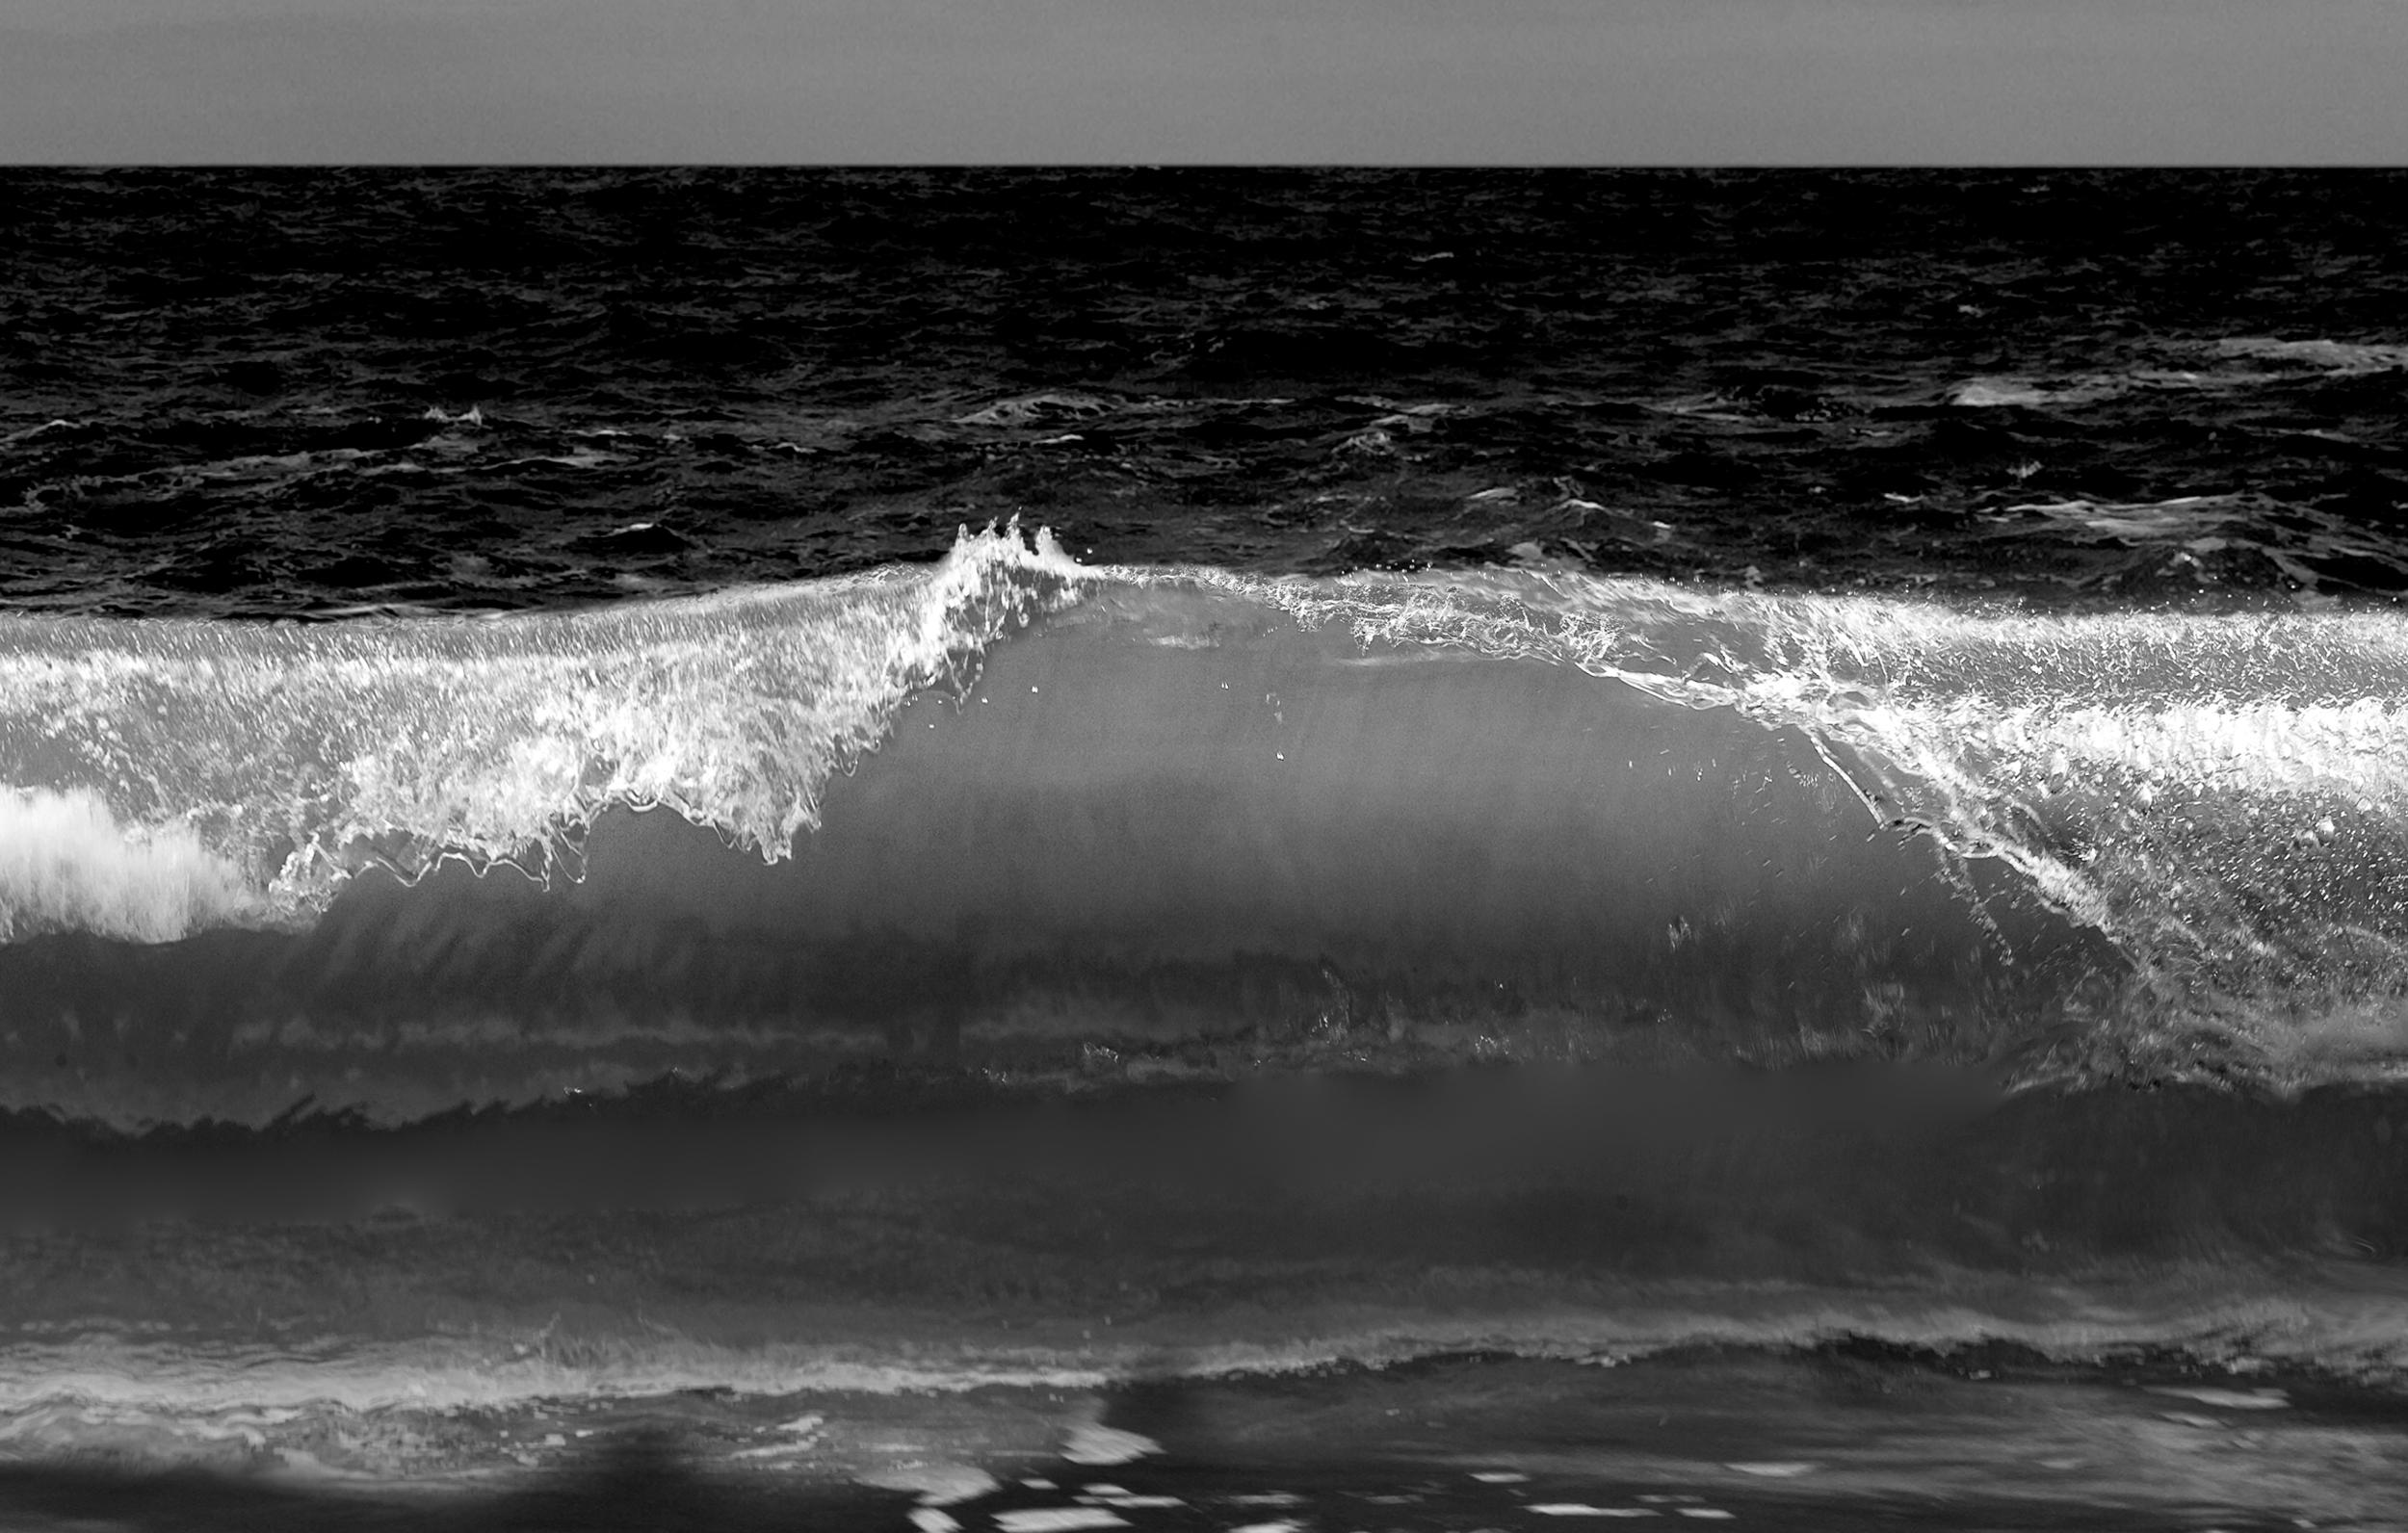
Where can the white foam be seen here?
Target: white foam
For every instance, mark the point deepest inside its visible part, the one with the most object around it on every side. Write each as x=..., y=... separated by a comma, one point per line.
x=1101, y=1445
x=66, y=864
x=2163, y=776
x=250, y=769
x=942, y=1483
x=105, y=1380
x=2230, y=1399
x=1058, y=1518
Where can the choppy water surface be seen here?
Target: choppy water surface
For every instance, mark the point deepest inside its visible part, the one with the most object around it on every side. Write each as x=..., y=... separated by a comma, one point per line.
x=275, y=392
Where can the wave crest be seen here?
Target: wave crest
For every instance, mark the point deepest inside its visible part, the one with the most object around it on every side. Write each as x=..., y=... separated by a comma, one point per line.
x=2224, y=796
x=198, y=773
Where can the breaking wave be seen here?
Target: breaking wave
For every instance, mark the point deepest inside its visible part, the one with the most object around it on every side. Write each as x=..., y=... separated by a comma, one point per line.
x=1525, y=811
x=171, y=775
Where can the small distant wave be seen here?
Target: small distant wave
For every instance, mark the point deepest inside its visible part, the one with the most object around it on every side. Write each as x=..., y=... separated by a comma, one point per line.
x=2279, y=361
x=252, y=472
x=2044, y=393
x=1995, y=393
x=2184, y=516
x=1030, y=409
x=2320, y=355
x=28, y=433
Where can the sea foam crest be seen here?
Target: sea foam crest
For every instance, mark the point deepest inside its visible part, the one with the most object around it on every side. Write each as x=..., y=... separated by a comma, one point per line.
x=66, y=863
x=2224, y=795
x=167, y=774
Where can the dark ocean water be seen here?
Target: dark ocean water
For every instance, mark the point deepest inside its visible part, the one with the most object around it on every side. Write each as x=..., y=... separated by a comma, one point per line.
x=1276, y=850
x=271, y=393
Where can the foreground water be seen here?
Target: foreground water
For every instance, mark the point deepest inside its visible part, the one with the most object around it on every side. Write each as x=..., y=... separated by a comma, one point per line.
x=1866, y=1295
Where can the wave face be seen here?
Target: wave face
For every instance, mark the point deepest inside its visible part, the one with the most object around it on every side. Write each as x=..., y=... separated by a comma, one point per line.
x=1017, y=814
x=480, y=1293
x=2220, y=796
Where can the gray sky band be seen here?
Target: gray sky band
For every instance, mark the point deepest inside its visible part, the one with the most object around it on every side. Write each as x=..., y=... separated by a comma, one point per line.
x=1222, y=81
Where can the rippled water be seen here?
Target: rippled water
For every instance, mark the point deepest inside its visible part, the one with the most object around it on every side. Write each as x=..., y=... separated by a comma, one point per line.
x=291, y=392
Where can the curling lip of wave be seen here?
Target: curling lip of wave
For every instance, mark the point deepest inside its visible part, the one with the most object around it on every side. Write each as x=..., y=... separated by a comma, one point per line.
x=2221, y=795
x=295, y=756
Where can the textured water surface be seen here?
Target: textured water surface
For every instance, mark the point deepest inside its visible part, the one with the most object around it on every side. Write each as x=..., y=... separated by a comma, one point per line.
x=1212, y=850
x=270, y=392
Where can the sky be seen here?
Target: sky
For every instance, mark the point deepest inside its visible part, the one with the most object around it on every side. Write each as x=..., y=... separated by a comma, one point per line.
x=1610, y=82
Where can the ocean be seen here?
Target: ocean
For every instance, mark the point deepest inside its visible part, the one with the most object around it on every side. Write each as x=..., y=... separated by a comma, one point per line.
x=1270, y=849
